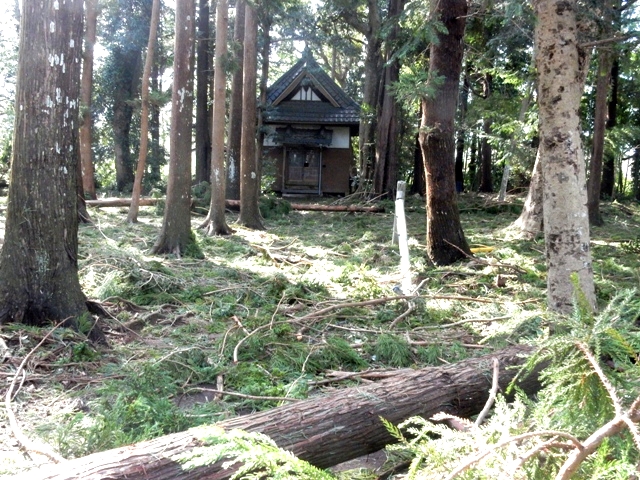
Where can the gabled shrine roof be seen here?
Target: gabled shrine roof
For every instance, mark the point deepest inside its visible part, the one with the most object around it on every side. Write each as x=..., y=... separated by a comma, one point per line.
x=327, y=103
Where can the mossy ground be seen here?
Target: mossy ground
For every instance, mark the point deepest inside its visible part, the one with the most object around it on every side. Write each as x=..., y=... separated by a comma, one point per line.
x=276, y=313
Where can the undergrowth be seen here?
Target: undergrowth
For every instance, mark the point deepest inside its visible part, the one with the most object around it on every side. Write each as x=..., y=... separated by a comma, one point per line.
x=277, y=314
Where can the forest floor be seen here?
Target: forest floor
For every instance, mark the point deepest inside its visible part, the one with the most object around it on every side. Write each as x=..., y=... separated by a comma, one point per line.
x=228, y=317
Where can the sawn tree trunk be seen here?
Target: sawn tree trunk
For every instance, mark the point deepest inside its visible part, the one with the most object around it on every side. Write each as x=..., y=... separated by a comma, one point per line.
x=325, y=430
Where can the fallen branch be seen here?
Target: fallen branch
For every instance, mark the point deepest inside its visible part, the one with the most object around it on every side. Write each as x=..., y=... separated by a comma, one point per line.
x=25, y=443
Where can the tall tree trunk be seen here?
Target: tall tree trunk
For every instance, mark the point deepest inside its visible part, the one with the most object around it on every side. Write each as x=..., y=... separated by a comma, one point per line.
x=156, y=151
x=473, y=163
x=446, y=242
x=387, y=145
x=249, y=187
x=265, y=43
x=203, y=112
x=486, y=157
x=122, y=112
x=605, y=61
x=132, y=217
x=561, y=65
x=175, y=234
x=372, y=72
x=86, y=154
x=607, y=188
x=418, y=185
x=38, y=264
x=216, y=220
x=462, y=131
x=235, y=107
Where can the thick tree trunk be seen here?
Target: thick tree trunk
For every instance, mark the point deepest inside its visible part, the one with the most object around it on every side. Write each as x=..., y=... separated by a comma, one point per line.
x=38, y=263
x=86, y=154
x=132, y=217
x=175, y=234
x=203, y=112
x=446, y=242
x=387, y=146
x=561, y=64
x=235, y=107
x=249, y=186
x=122, y=111
x=372, y=74
x=216, y=222
x=325, y=430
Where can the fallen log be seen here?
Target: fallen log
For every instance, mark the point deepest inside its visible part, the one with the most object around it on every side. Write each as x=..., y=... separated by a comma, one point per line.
x=235, y=205
x=324, y=430
x=316, y=207
x=122, y=202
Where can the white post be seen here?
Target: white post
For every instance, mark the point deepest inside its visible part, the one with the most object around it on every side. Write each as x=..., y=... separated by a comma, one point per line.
x=400, y=229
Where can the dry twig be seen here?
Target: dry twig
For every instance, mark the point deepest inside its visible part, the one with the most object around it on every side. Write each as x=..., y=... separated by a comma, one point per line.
x=470, y=461
x=492, y=393
x=26, y=444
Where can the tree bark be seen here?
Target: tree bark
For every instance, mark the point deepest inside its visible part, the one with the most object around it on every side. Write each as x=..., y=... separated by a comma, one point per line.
x=203, y=112
x=446, y=242
x=216, y=223
x=463, y=106
x=372, y=75
x=86, y=153
x=235, y=107
x=38, y=264
x=249, y=186
x=128, y=61
x=175, y=234
x=325, y=430
x=132, y=217
x=387, y=146
x=561, y=64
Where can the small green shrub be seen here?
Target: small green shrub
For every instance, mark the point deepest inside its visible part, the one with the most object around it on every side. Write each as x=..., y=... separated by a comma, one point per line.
x=392, y=350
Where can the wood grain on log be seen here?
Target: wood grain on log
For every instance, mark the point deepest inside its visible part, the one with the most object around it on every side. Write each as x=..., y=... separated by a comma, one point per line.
x=324, y=430
x=235, y=204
